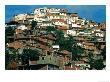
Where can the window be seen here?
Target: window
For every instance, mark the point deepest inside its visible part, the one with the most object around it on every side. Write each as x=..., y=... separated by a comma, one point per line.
x=48, y=52
x=42, y=58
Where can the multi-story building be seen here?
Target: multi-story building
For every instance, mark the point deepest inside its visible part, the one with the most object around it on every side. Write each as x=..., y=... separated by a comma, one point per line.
x=85, y=32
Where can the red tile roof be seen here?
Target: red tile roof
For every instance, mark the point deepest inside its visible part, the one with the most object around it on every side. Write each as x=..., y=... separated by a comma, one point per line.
x=18, y=31
x=42, y=40
x=64, y=52
x=16, y=44
x=62, y=27
x=50, y=36
x=49, y=14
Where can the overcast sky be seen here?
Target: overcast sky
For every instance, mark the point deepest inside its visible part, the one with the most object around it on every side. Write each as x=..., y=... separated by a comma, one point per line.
x=91, y=12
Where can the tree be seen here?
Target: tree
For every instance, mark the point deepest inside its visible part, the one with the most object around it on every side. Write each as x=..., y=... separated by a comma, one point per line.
x=34, y=23
x=60, y=37
x=50, y=29
x=10, y=59
x=9, y=31
x=103, y=53
x=76, y=52
x=34, y=54
x=98, y=64
x=90, y=60
x=29, y=54
x=98, y=45
x=67, y=43
x=7, y=59
x=95, y=64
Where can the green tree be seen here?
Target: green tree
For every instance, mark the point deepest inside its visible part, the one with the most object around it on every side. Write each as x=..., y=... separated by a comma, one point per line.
x=50, y=29
x=98, y=45
x=29, y=54
x=69, y=44
x=91, y=60
x=60, y=37
x=98, y=64
x=77, y=51
x=103, y=53
x=95, y=64
x=9, y=31
x=9, y=58
x=34, y=23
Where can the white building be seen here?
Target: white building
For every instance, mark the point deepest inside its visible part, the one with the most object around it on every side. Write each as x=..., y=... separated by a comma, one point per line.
x=46, y=24
x=71, y=32
x=82, y=64
x=30, y=17
x=19, y=17
x=99, y=34
x=56, y=47
x=40, y=10
x=53, y=10
x=76, y=25
x=22, y=27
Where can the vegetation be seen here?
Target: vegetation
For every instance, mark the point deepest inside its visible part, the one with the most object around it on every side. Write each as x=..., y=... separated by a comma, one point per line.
x=103, y=53
x=34, y=23
x=98, y=64
x=10, y=58
x=50, y=29
x=27, y=54
x=67, y=43
x=9, y=31
x=95, y=63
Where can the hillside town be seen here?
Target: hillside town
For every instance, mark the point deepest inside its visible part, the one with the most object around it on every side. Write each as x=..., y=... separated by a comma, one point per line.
x=54, y=39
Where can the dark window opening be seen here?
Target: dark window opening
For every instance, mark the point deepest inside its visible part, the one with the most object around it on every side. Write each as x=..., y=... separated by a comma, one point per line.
x=42, y=58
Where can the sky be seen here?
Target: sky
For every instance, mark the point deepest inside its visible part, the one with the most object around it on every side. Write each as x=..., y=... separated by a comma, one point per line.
x=96, y=13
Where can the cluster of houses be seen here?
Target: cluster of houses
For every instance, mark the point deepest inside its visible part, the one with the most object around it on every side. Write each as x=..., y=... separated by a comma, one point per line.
x=86, y=33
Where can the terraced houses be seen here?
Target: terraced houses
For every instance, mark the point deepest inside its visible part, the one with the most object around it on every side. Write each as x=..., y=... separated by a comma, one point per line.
x=54, y=39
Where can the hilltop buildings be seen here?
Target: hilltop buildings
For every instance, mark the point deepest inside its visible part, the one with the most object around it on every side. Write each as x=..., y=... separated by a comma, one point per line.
x=40, y=39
